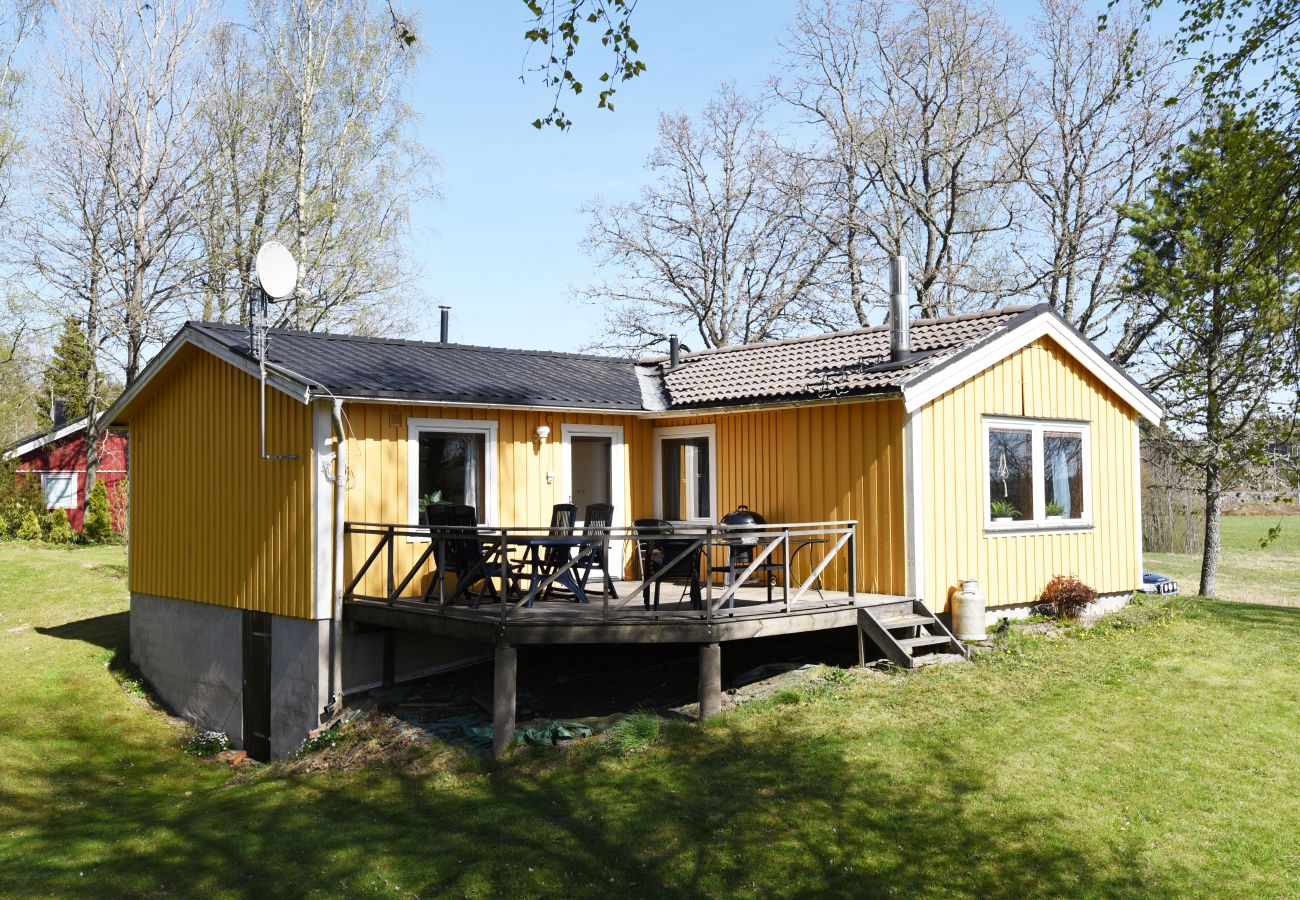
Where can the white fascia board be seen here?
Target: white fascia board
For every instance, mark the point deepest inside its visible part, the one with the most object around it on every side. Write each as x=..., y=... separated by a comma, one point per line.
x=48, y=437
x=963, y=368
x=187, y=335
x=323, y=488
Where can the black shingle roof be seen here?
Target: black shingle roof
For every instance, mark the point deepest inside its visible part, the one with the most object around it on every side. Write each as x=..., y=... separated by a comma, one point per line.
x=423, y=371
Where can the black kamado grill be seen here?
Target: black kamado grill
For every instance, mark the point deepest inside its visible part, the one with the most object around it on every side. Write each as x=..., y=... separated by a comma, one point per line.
x=743, y=545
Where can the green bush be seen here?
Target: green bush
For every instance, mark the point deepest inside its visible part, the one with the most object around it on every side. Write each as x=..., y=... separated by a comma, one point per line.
x=19, y=495
x=98, y=526
x=59, y=532
x=30, y=528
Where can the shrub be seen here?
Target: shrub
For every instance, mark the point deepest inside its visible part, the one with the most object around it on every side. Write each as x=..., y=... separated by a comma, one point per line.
x=19, y=495
x=30, y=528
x=98, y=526
x=59, y=532
x=1068, y=596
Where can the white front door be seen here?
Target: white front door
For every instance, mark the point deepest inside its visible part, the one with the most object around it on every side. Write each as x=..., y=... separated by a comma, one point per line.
x=595, y=458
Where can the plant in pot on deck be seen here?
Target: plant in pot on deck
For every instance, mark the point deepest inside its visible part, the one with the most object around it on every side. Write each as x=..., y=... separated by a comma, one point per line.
x=1003, y=511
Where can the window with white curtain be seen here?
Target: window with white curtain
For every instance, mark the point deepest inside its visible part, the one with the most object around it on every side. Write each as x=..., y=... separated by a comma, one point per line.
x=1037, y=474
x=452, y=461
x=685, y=473
x=60, y=490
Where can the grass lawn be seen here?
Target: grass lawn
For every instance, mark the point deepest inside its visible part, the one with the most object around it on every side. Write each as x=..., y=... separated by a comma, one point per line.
x=1247, y=573
x=1156, y=755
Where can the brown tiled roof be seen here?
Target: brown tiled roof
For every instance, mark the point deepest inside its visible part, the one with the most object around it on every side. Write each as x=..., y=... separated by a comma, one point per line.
x=823, y=366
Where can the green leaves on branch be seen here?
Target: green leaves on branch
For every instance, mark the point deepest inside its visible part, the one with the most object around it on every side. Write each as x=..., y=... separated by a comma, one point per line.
x=558, y=28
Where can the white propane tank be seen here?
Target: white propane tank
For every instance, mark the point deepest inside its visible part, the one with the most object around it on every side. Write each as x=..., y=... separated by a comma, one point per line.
x=968, y=612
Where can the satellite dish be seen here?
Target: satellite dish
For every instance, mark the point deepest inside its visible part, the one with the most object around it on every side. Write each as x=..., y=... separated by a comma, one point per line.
x=276, y=270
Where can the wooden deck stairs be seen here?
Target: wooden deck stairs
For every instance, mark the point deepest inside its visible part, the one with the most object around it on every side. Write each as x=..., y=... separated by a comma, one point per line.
x=909, y=634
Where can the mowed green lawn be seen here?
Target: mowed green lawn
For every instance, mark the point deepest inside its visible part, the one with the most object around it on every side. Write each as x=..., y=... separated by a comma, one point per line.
x=1156, y=755
x=1247, y=572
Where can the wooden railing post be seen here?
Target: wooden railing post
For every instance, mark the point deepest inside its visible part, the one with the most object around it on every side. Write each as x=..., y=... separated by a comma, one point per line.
x=785, y=572
x=390, y=538
x=853, y=562
x=442, y=570
x=505, y=574
x=708, y=573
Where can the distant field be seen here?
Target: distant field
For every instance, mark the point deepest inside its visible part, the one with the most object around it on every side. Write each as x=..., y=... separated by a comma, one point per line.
x=1247, y=572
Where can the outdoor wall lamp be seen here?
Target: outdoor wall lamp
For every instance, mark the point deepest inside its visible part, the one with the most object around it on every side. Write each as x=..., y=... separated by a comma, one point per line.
x=542, y=433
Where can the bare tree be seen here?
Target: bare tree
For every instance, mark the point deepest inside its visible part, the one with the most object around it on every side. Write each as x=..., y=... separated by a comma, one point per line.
x=338, y=68
x=712, y=245
x=19, y=22
x=1097, y=98
x=921, y=109
x=134, y=66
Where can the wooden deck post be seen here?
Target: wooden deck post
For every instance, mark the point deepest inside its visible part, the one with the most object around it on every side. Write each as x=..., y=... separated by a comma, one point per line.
x=710, y=680
x=503, y=699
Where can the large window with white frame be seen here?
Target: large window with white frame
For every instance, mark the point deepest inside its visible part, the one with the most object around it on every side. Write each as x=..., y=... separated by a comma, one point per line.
x=685, y=473
x=1037, y=474
x=452, y=461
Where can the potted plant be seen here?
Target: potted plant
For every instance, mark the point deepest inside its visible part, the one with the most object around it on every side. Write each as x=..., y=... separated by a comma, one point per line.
x=1053, y=511
x=434, y=499
x=1003, y=511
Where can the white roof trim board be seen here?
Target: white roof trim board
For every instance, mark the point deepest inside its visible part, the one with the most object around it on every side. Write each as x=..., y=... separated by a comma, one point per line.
x=49, y=437
x=293, y=388
x=985, y=353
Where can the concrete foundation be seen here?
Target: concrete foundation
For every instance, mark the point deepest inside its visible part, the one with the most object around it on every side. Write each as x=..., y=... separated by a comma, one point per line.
x=192, y=654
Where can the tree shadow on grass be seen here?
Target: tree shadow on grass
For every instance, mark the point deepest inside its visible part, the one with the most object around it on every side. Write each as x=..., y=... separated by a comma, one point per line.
x=108, y=631
x=715, y=812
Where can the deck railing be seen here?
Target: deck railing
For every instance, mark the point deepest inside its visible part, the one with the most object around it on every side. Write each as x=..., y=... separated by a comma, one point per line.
x=383, y=543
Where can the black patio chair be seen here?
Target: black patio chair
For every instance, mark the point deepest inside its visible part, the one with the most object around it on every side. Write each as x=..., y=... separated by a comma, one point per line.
x=563, y=516
x=594, y=554
x=657, y=549
x=471, y=563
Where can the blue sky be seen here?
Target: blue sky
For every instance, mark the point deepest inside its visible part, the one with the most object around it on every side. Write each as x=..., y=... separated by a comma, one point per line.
x=502, y=245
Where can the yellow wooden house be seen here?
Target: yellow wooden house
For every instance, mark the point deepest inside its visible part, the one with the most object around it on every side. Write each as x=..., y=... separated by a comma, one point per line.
x=281, y=554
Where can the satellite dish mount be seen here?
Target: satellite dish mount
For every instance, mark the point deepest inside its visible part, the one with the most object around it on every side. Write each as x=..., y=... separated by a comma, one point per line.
x=277, y=278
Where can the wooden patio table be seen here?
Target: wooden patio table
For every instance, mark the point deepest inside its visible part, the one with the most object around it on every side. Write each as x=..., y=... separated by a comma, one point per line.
x=533, y=556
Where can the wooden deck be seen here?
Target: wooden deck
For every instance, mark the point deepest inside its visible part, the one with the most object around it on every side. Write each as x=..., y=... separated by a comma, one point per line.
x=562, y=621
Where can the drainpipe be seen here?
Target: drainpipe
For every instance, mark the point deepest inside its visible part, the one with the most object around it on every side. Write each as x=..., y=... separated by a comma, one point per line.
x=336, y=624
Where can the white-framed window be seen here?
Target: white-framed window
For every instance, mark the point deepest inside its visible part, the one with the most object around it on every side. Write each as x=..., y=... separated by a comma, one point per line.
x=686, y=465
x=454, y=460
x=1038, y=474
x=60, y=490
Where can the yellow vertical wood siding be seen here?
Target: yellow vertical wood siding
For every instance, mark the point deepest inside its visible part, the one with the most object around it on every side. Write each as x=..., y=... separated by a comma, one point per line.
x=378, y=444
x=1039, y=381
x=817, y=463
x=210, y=521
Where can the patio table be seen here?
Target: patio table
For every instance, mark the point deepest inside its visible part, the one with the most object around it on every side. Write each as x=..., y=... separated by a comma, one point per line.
x=533, y=559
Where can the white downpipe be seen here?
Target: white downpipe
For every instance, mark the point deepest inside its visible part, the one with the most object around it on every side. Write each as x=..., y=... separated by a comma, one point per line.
x=336, y=622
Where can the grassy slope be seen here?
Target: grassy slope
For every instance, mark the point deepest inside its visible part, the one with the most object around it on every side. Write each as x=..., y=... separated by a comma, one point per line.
x=1247, y=573
x=1157, y=758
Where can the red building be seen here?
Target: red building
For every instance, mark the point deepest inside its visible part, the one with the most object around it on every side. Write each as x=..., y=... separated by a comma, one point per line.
x=58, y=458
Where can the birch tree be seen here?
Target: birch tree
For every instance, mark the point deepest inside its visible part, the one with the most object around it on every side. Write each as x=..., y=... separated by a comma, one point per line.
x=339, y=68
x=711, y=246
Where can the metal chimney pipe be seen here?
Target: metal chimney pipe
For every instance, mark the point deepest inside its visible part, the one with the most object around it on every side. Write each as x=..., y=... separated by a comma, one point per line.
x=900, y=335
x=58, y=412
x=674, y=352
x=445, y=330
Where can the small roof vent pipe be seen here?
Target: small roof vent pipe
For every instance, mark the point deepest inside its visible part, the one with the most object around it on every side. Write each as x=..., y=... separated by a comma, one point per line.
x=444, y=330
x=900, y=335
x=674, y=352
